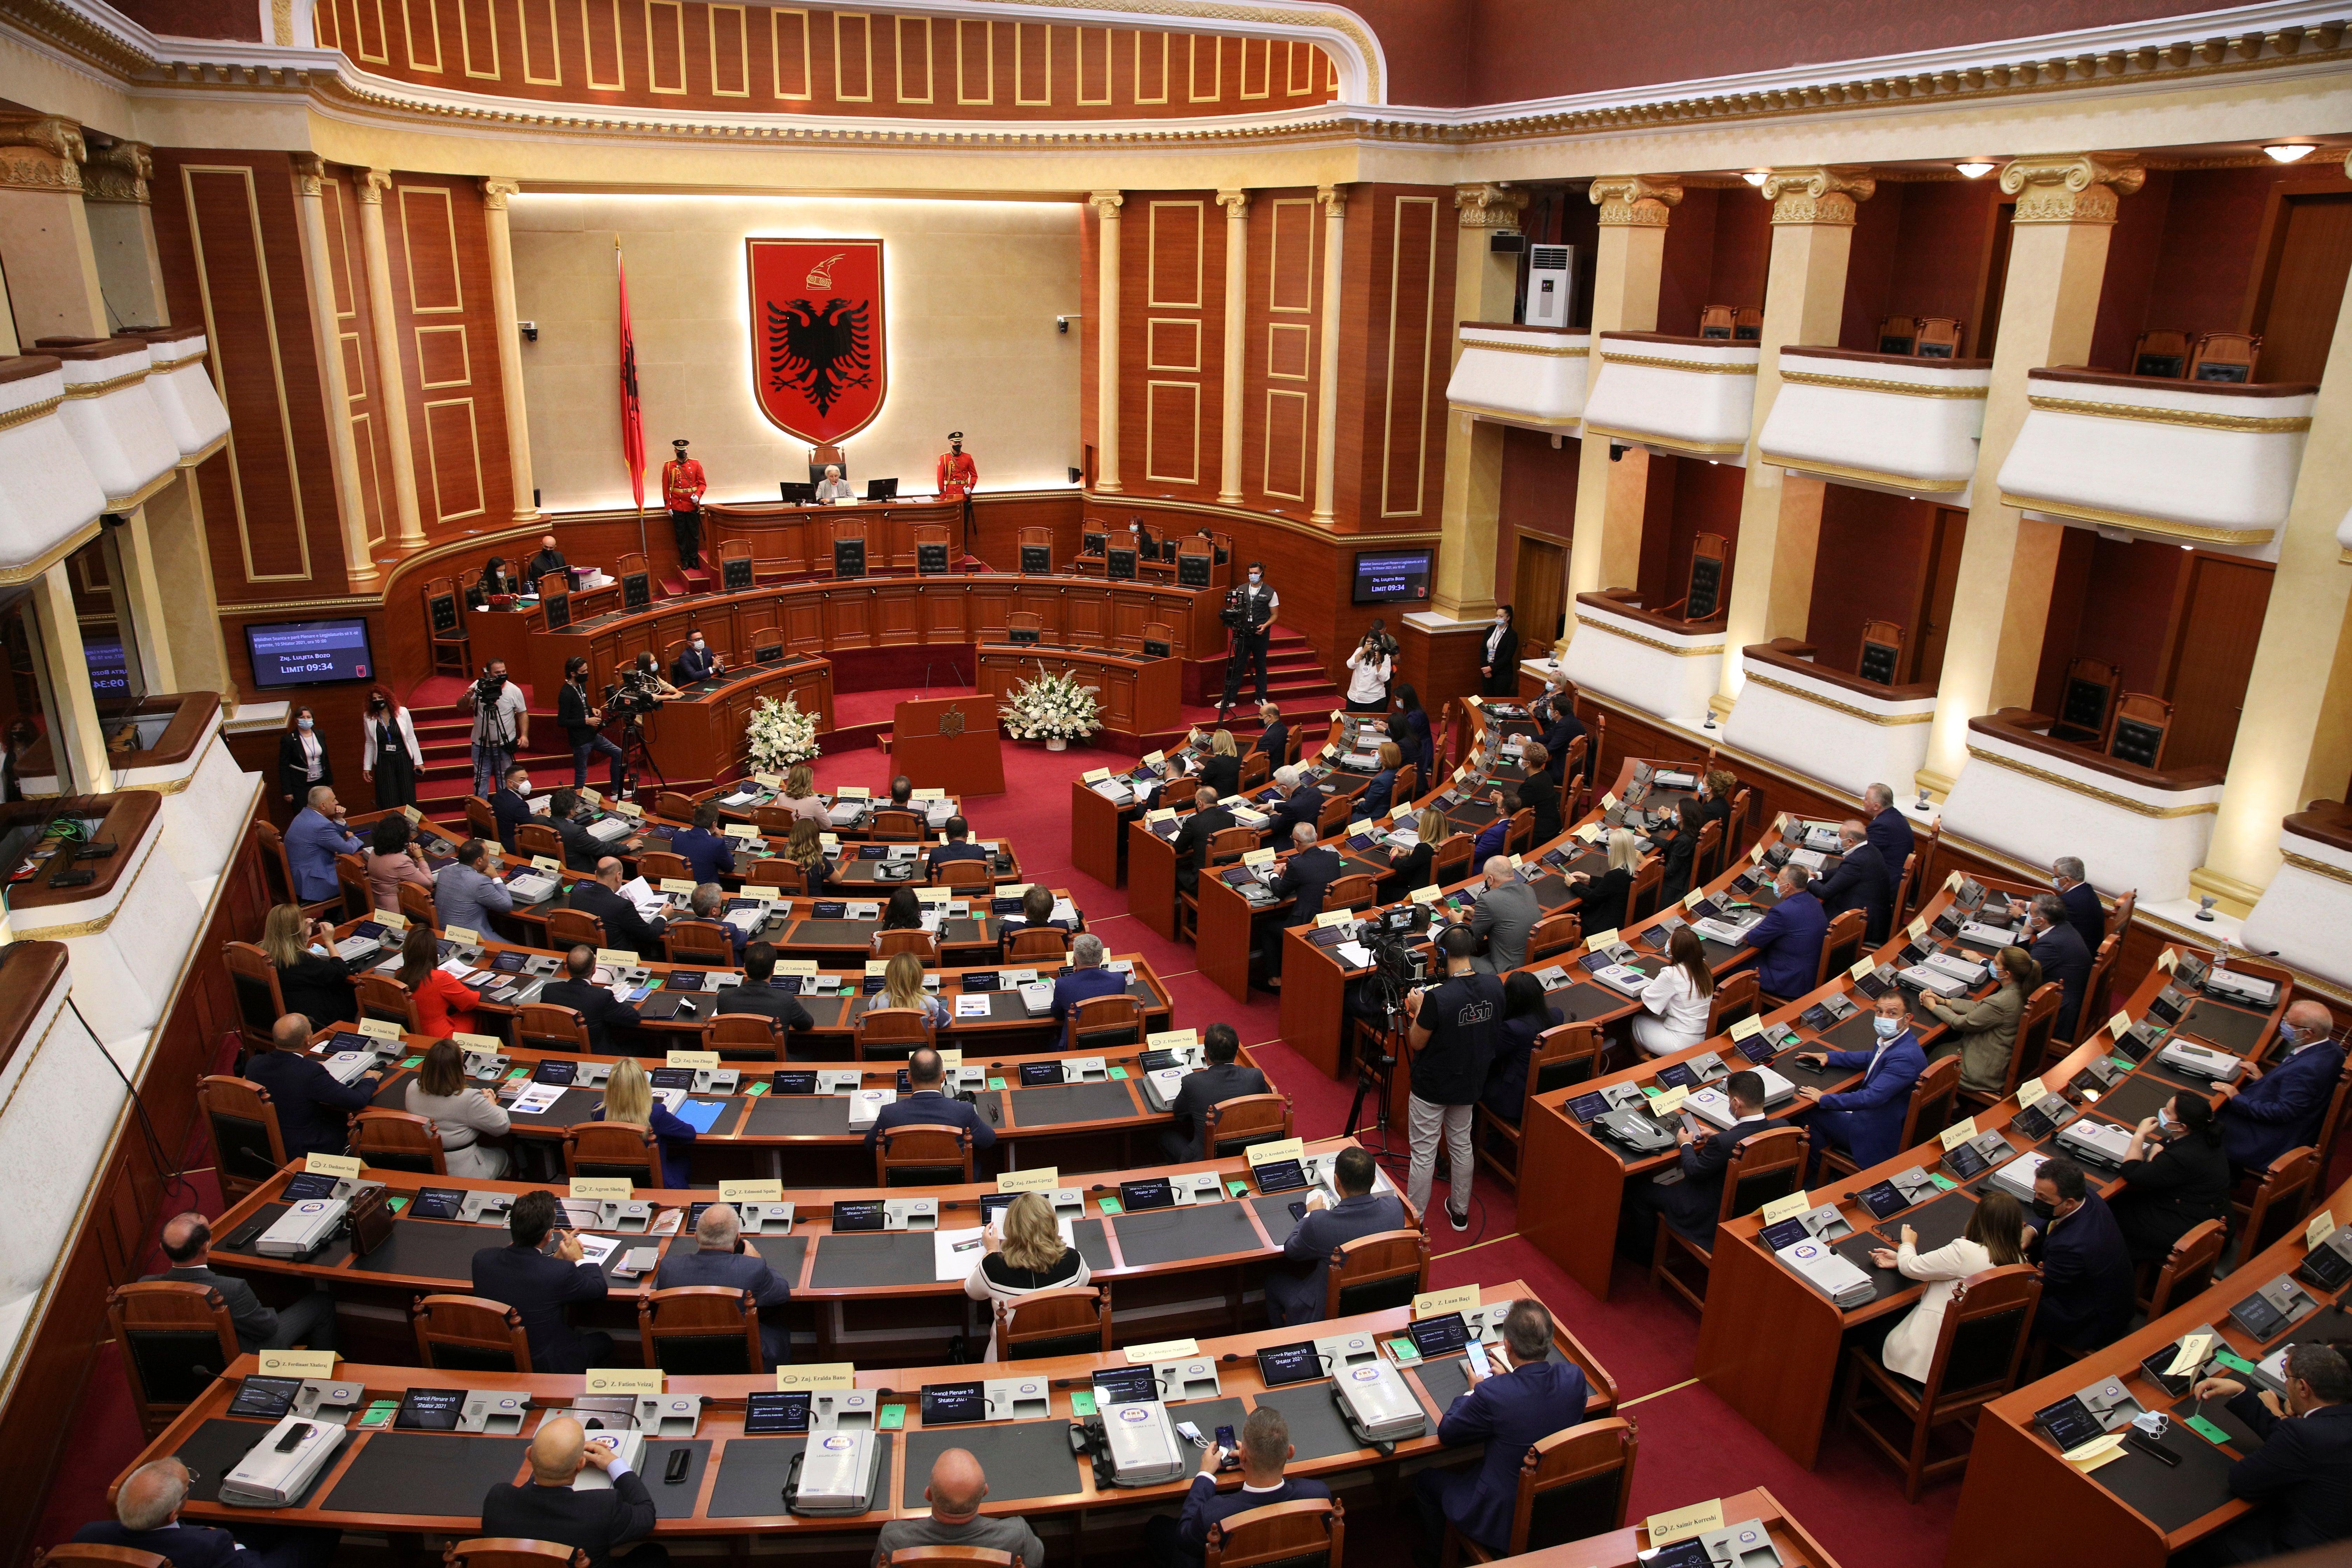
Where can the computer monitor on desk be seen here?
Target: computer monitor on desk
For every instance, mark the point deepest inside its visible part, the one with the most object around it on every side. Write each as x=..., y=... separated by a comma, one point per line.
x=882, y=490
x=796, y=494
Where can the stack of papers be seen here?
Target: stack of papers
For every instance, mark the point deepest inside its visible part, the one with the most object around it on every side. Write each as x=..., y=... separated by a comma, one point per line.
x=535, y=1099
x=972, y=1007
x=640, y=893
x=596, y=1250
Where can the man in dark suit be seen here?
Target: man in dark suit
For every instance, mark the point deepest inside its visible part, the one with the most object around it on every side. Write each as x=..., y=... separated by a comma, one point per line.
x=2083, y=910
x=1192, y=839
x=1526, y=1398
x=582, y=848
x=2086, y=1270
x=1691, y=1204
x=548, y=559
x=1890, y=834
x=1087, y=978
x=313, y=1108
x=928, y=1104
x=703, y=907
x=1858, y=883
x=694, y=662
x=1305, y=877
x=598, y=1521
x=308, y=1323
x=623, y=927
x=511, y=804
x=1265, y=1449
x=759, y=995
x=2059, y=948
x=1302, y=802
x=1223, y=1078
x=1273, y=740
x=147, y=1519
x=704, y=848
x=1555, y=714
x=595, y=1003
x=1787, y=942
x=2266, y=1113
x=1295, y=1296
x=539, y=1284
x=719, y=1258
x=1867, y=1120
x=959, y=846
x=2300, y=1479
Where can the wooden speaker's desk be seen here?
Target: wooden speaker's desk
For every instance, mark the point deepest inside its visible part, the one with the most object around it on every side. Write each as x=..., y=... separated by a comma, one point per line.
x=949, y=742
x=788, y=537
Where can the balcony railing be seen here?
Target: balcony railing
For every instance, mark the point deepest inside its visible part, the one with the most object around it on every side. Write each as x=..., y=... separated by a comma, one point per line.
x=1884, y=422
x=1533, y=376
x=1689, y=397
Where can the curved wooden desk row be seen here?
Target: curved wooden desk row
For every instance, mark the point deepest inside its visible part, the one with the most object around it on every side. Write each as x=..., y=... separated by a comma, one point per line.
x=1136, y=696
x=1630, y=1547
x=1782, y=1381
x=785, y=536
x=700, y=734
x=1177, y=1271
x=406, y=1483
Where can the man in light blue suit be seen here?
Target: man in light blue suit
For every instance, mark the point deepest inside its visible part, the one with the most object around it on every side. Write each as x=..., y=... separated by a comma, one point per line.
x=313, y=840
x=1867, y=1120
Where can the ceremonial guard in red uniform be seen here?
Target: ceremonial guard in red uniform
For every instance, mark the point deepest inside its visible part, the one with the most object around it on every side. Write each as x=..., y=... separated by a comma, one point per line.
x=682, y=487
x=959, y=477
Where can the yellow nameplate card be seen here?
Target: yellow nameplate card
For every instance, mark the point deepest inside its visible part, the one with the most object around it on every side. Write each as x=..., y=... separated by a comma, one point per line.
x=1589, y=833
x=1165, y=814
x=1958, y=1133
x=411, y=813
x=950, y=1056
x=818, y=1375
x=467, y=934
x=1044, y=1179
x=620, y=955
x=546, y=863
x=1669, y=1102
x=1693, y=899
x=771, y=1192
x=877, y=966
x=390, y=921
x=495, y=848
x=773, y=781
x=1756, y=854
x=592, y=796
x=1472, y=702
x=1599, y=940
x=1608, y=802
x=601, y=1189
x=1094, y=775
x=1153, y=759
x=855, y=791
x=340, y=1166
x=2096, y=1452
x=1014, y=891
x=637, y=1380
x=693, y=1059
x=1171, y=1040
x=1163, y=1349
x=1333, y=918
x=1747, y=1026
x=478, y=1042
x=2194, y=1348
x=2322, y=1227
x=930, y=795
x=1256, y=857
x=2119, y=1025
x=934, y=894
x=1282, y=1149
x=627, y=809
x=2168, y=960
x=802, y=967
x=675, y=885
x=297, y=1363
x=1789, y=1207
x=1437, y=1303
x=1428, y=895
x=1696, y=1520
x=742, y=831
x=379, y=1029
x=2030, y=1091
x=1952, y=883
x=1916, y=926
x=1862, y=969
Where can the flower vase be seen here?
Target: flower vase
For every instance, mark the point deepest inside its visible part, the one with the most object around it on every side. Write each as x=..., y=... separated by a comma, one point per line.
x=1056, y=743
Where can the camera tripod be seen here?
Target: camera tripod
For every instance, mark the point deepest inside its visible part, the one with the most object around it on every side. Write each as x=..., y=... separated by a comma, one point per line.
x=635, y=757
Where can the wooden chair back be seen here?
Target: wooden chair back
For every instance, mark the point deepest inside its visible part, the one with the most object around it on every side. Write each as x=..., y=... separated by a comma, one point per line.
x=1716, y=322
x=1709, y=584
x=76, y=1553
x=260, y=1001
x=2037, y=1026
x=2281, y=1200
x=1333, y=816
x=2161, y=352
x=1641, y=894
x=2142, y=724
x=1897, y=334
x=674, y=804
x=699, y=943
x=445, y=627
x=1450, y=861
x=1019, y=621
x=511, y=1551
x=469, y=1333
x=398, y=1141
x=545, y=1026
x=747, y=1037
x=1733, y=998
x=1101, y=1022
x=176, y=1336
x=1350, y=892
x=964, y=874
x=773, y=821
x=1072, y=1320
x=613, y=1149
x=890, y=1034
x=2093, y=1015
x=2225, y=356
x=2189, y=1268
x=895, y=827
x=1772, y=1165
x=1939, y=338
x=1049, y=943
x=416, y=903
x=1376, y=1272
x=1882, y=652
x=243, y=1124
x=537, y=839
x=1310, y=1532
x=1841, y=946
x=776, y=871
x=1257, y=765
x=1234, y=1124
x=890, y=943
x=2083, y=701
x=1406, y=785
x=385, y=999
x=1706, y=854
x=1746, y=323
x=276, y=869
x=1574, y=1484
x=574, y=927
x=352, y=883
x=1562, y=932
x=1931, y=1106
x=1227, y=844
x=656, y=866
x=1987, y=1324
x=922, y=1155
x=1520, y=836
x=701, y=1330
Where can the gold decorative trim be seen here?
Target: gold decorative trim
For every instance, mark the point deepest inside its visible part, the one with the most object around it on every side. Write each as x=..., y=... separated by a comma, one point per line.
x=2069, y=187
x=1851, y=711
x=1697, y=367
x=145, y=492
x=1576, y=353
x=2251, y=424
x=1568, y=422
x=169, y=786
x=100, y=388
x=1696, y=448
x=1868, y=476
x=2104, y=797
x=1895, y=388
x=91, y=927
x=1484, y=205
x=52, y=555
x=30, y=412
x=2190, y=531
x=2316, y=868
x=1709, y=652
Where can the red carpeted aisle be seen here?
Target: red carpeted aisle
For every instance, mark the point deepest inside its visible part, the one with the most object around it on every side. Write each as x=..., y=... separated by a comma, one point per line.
x=1691, y=1446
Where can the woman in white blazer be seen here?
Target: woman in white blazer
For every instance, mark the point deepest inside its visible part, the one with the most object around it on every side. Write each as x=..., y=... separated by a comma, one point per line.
x=1993, y=1241
x=390, y=759
x=1678, y=998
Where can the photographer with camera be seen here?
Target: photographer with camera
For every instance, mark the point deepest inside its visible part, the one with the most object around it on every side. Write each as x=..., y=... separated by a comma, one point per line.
x=1249, y=613
x=583, y=724
x=1368, y=668
x=643, y=679
x=501, y=724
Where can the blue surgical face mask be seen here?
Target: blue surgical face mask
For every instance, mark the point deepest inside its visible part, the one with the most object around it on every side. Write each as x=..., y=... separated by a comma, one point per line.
x=1887, y=1027
x=302, y=724
x=2289, y=1035
x=2164, y=1122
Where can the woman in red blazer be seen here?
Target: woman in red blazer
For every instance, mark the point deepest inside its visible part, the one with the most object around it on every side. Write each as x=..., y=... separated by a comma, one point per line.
x=443, y=1005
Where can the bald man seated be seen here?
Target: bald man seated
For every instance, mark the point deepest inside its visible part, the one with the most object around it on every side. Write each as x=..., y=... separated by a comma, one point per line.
x=309, y=1321
x=958, y=1487
x=147, y=1519
x=598, y=1521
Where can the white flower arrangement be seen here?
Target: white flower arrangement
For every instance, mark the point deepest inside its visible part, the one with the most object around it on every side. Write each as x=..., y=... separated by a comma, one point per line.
x=1051, y=708
x=779, y=734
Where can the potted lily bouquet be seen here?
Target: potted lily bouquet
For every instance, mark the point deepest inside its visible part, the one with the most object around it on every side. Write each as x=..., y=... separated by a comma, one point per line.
x=778, y=735
x=1054, y=708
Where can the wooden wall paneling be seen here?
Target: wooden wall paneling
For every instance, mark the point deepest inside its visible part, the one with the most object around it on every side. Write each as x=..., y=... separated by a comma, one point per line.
x=437, y=245
x=729, y=35
x=1172, y=349
x=665, y=35
x=420, y=25
x=2212, y=655
x=1412, y=393
x=354, y=327
x=849, y=617
x=1091, y=70
x=603, y=46
x=1280, y=320
x=792, y=61
x=478, y=38
x=539, y=42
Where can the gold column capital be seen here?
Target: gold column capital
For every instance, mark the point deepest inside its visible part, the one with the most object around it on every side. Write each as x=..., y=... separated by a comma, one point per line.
x=1484, y=205
x=497, y=189
x=117, y=172
x=2069, y=188
x=1822, y=194
x=41, y=153
x=310, y=173
x=1106, y=203
x=1236, y=203
x=1333, y=200
x=1636, y=201
x=369, y=186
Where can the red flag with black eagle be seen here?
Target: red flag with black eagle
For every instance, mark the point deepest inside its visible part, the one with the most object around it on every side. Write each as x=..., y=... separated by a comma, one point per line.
x=633, y=419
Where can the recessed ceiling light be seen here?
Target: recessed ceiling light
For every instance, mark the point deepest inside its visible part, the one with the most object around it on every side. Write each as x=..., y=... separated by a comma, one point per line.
x=1758, y=176
x=1974, y=169
x=2289, y=152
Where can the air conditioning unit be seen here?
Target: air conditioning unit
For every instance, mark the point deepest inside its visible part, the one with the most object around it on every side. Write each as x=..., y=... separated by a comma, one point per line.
x=1549, y=270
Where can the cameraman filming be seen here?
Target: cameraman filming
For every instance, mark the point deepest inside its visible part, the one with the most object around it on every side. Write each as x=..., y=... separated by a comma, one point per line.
x=1249, y=611
x=584, y=725
x=501, y=724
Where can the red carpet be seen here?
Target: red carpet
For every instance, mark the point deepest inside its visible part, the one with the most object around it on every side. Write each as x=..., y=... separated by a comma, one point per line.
x=1691, y=1446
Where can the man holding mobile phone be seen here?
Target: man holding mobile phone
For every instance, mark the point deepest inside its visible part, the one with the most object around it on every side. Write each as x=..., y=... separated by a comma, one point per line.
x=1265, y=1449
x=537, y=1284
x=1509, y=1411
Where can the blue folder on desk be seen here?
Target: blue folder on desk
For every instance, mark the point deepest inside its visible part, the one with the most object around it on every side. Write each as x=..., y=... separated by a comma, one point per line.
x=701, y=1114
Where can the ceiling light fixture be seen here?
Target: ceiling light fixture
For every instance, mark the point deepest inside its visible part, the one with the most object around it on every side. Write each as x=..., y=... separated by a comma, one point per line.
x=1758, y=176
x=2289, y=152
x=1974, y=169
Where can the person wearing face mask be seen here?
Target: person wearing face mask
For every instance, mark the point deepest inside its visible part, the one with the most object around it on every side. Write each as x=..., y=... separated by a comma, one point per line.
x=1145, y=546
x=694, y=662
x=1983, y=1033
x=389, y=757
x=2059, y=949
x=1409, y=722
x=2265, y=1111
x=303, y=764
x=1368, y=677
x=2174, y=1177
x=1257, y=604
x=1555, y=714
x=2300, y=1479
x=1867, y=1120
x=2083, y=910
x=583, y=723
x=646, y=674
x=1498, y=660
x=2086, y=1274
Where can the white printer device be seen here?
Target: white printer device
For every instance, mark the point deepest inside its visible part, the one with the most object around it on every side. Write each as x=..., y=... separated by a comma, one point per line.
x=1139, y=1440
x=277, y=1470
x=2205, y=1062
x=836, y=1473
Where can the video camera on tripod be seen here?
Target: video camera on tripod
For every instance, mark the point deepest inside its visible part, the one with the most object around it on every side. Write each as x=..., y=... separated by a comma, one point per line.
x=631, y=698
x=1235, y=613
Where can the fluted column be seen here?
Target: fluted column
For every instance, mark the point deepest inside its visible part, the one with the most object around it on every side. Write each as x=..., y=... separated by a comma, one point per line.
x=392, y=384
x=1107, y=205
x=1627, y=262
x=1804, y=304
x=2000, y=603
x=334, y=386
x=1334, y=199
x=509, y=328
x=1485, y=285
x=1229, y=472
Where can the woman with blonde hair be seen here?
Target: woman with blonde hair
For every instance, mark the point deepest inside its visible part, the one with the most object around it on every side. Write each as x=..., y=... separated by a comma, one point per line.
x=311, y=980
x=799, y=795
x=805, y=848
x=1602, y=900
x=1221, y=770
x=1025, y=1253
x=463, y=1116
x=1429, y=830
x=902, y=986
x=629, y=1097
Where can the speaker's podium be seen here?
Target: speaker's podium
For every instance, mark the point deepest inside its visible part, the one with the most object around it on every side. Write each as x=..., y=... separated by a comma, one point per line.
x=949, y=742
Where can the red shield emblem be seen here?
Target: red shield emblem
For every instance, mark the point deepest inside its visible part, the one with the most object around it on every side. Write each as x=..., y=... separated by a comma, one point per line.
x=818, y=365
